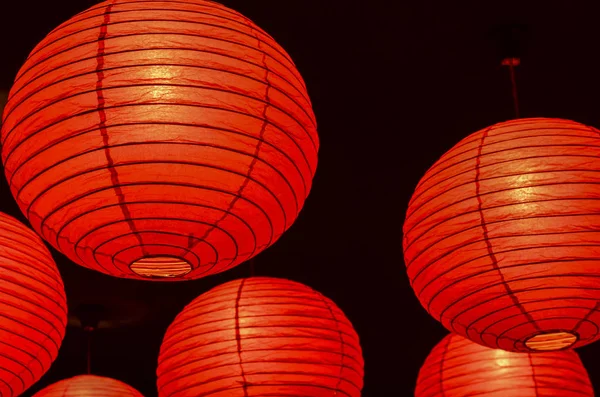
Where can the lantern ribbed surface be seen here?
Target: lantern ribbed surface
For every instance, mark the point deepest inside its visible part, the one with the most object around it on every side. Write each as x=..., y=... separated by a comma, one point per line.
x=502, y=236
x=457, y=367
x=159, y=139
x=260, y=337
x=89, y=386
x=33, y=308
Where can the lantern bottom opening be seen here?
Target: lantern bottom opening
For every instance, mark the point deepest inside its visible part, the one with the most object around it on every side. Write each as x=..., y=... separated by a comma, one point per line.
x=551, y=341
x=161, y=267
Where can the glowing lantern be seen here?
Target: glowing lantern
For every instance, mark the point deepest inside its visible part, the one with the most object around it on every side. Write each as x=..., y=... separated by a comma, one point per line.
x=261, y=337
x=161, y=139
x=458, y=367
x=33, y=308
x=88, y=386
x=502, y=236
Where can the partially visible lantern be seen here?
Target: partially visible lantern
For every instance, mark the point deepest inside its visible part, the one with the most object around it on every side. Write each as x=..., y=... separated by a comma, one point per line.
x=33, y=308
x=159, y=139
x=261, y=337
x=89, y=386
x=502, y=236
x=457, y=367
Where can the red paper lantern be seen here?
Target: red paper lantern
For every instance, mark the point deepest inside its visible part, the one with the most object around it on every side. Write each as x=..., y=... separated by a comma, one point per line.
x=502, y=236
x=457, y=367
x=33, y=308
x=159, y=139
x=89, y=386
x=260, y=337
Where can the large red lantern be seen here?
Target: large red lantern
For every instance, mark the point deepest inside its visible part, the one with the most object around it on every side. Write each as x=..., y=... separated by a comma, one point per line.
x=260, y=337
x=159, y=139
x=457, y=367
x=33, y=308
x=88, y=386
x=502, y=236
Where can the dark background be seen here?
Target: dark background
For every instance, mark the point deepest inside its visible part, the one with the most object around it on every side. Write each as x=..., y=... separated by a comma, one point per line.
x=392, y=88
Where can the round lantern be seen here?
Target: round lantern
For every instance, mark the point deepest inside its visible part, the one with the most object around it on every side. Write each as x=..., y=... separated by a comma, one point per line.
x=159, y=139
x=260, y=337
x=89, y=386
x=33, y=308
x=458, y=367
x=502, y=236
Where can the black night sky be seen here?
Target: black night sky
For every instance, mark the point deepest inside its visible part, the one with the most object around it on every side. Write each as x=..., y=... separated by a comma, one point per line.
x=394, y=85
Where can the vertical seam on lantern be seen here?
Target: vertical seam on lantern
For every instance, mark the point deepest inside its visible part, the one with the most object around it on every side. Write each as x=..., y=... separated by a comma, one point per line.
x=442, y=361
x=254, y=159
x=114, y=176
x=238, y=337
x=488, y=243
x=342, y=344
x=535, y=385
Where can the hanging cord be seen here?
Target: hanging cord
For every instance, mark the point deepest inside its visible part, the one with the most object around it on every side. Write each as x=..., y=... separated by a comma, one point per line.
x=511, y=63
x=88, y=330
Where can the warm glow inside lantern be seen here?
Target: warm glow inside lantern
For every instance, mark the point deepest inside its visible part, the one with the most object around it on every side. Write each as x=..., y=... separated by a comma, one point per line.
x=159, y=139
x=33, y=308
x=88, y=386
x=502, y=236
x=457, y=367
x=260, y=337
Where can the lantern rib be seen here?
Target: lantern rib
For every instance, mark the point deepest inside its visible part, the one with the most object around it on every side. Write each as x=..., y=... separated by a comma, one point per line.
x=11, y=107
x=428, y=264
x=245, y=24
x=4, y=293
x=516, y=160
x=133, y=163
x=25, y=326
x=468, y=198
x=33, y=155
x=525, y=290
x=149, y=105
x=172, y=344
x=15, y=248
x=78, y=242
x=183, y=203
x=484, y=330
x=596, y=308
x=119, y=36
x=183, y=364
x=502, y=283
x=548, y=261
x=255, y=205
x=263, y=384
x=23, y=365
x=472, y=139
x=474, y=259
x=514, y=219
x=100, y=89
x=434, y=172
